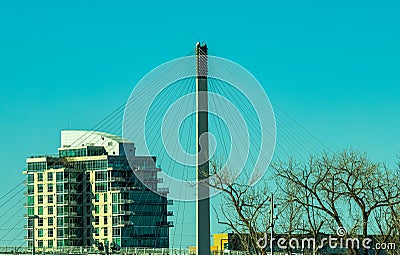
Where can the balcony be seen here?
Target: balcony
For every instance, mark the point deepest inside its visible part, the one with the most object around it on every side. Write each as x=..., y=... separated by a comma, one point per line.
x=127, y=223
x=165, y=223
x=117, y=179
x=125, y=201
x=163, y=190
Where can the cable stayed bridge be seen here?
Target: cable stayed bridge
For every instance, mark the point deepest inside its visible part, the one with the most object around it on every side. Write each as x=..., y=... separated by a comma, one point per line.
x=293, y=140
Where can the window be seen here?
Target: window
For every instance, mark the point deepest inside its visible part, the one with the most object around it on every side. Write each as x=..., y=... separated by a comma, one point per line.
x=50, y=243
x=31, y=211
x=36, y=166
x=115, y=209
x=105, y=231
x=50, y=210
x=50, y=221
x=96, y=211
x=40, y=222
x=96, y=231
x=105, y=197
x=96, y=220
x=59, y=176
x=60, y=210
x=50, y=188
x=50, y=199
x=101, y=175
x=60, y=188
x=101, y=187
x=40, y=177
x=60, y=233
x=31, y=189
x=40, y=199
x=49, y=177
x=50, y=232
x=40, y=210
x=115, y=220
x=60, y=222
x=105, y=219
x=96, y=198
x=116, y=231
x=31, y=179
x=40, y=188
x=60, y=199
x=60, y=243
x=105, y=209
x=40, y=243
x=40, y=232
x=31, y=200
x=115, y=197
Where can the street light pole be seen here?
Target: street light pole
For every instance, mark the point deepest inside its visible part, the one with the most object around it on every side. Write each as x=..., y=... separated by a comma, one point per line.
x=272, y=223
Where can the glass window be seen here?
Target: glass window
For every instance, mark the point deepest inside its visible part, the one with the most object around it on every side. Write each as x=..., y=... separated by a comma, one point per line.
x=105, y=219
x=60, y=233
x=50, y=221
x=40, y=210
x=40, y=243
x=40, y=199
x=31, y=200
x=105, y=209
x=36, y=166
x=50, y=187
x=60, y=222
x=40, y=188
x=50, y=243
x=40, y=177
x=40, y=232
x=31, y=189
x=96, y=209
x=60, y=199
x=59, y=176
x=60, y=188
x=50, y=210
x=50, y=232
x=40, y=222
x=96, y=197
x=101, y=175
x=105, y=197
x=101, y=187
x=31, y=178
x=49, y=177
x=50, y=199
x=60, y=210
x=31, y=211
x=115, y=197
x=105, y=231
x=115, y=208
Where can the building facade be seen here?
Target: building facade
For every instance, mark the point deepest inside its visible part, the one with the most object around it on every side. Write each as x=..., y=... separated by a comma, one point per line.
x=89, y=194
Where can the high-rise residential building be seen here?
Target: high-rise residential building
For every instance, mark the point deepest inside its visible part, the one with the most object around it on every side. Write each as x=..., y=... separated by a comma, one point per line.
x=89, y=194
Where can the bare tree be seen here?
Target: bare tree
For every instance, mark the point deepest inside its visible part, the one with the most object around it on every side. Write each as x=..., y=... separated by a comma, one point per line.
x=244, y=210
x=345, y=188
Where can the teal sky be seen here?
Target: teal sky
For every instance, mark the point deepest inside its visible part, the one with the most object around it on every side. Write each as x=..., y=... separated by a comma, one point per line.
x=334, y=66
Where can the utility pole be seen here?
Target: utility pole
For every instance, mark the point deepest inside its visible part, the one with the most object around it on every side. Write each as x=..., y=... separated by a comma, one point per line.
x=202, y=164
